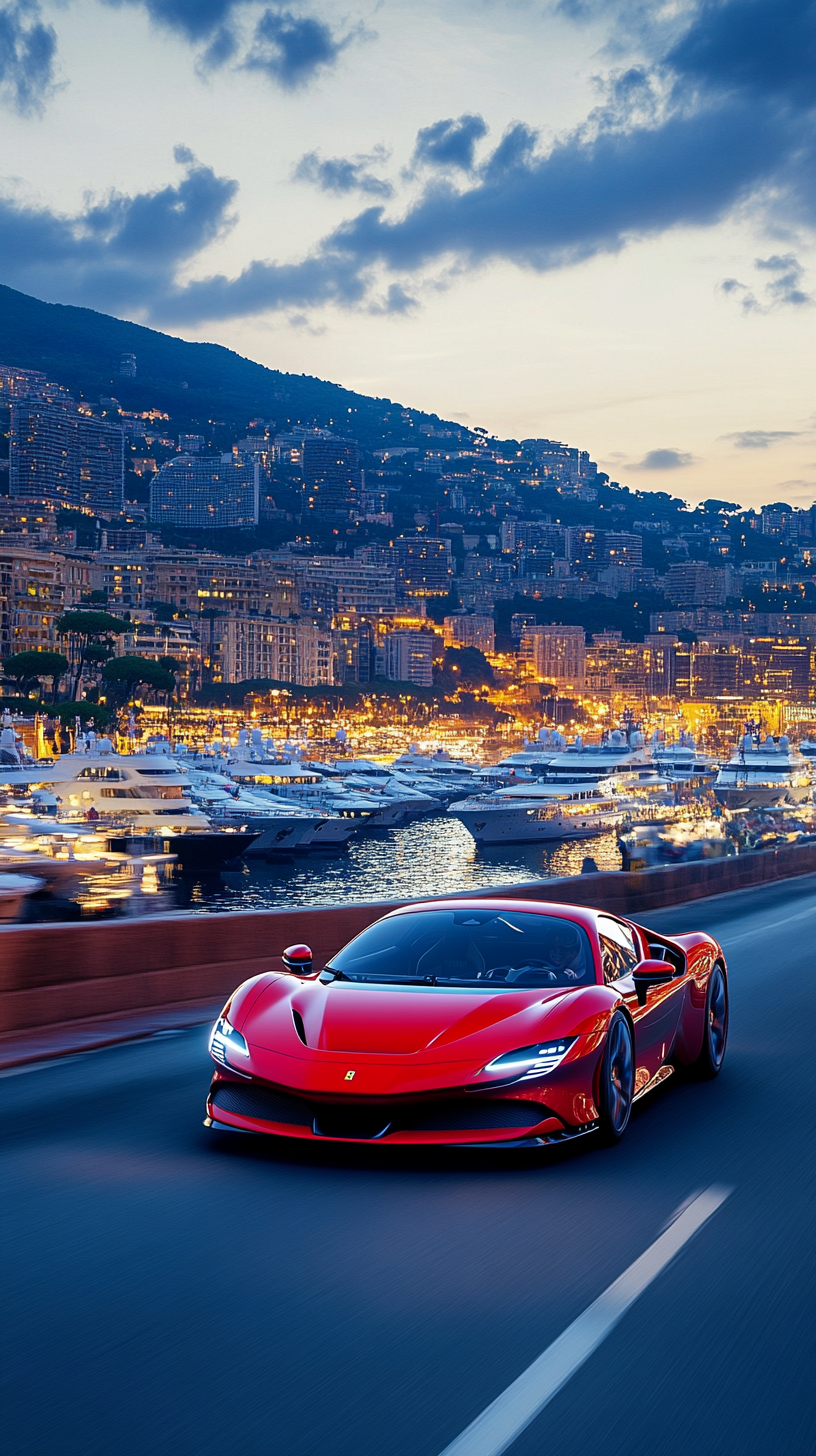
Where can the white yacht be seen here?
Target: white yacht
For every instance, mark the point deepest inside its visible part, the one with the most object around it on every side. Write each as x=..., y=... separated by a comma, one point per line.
x=368, y=777
x=281, y=828
x=760, y=775
x=147, y=790
x=437, y=774
x=532, y=813
x=683, y=760
x=536, y=755
x=341, y=815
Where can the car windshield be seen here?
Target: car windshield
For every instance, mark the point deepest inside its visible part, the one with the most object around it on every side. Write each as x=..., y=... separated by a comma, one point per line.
x=490, y=948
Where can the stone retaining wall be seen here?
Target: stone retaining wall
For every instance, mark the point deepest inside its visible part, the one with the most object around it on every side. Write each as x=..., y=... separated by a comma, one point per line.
x=51, y=975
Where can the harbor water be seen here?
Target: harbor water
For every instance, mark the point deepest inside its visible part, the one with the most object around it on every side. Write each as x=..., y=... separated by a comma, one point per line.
x=433, y=856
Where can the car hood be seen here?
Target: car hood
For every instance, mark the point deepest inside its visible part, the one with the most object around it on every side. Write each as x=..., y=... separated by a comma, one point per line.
x=392, y=1020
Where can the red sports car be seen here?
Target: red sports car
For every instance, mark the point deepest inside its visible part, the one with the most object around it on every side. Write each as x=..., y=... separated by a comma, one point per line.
x=479, y=1022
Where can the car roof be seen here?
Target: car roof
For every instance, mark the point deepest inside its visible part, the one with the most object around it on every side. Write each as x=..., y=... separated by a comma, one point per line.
x=580, y=914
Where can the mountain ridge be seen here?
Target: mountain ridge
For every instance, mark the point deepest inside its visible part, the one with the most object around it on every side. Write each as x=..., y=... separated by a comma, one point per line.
x=191, y=382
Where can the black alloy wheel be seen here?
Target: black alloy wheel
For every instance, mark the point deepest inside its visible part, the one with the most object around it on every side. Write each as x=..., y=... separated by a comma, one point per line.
x=715, y=1031
x=617, y=1082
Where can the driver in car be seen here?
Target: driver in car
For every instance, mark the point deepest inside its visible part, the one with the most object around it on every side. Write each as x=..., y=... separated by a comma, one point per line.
x=564, y=953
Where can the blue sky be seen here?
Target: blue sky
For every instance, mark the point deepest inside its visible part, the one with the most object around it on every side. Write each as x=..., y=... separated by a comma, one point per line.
x=581, y=219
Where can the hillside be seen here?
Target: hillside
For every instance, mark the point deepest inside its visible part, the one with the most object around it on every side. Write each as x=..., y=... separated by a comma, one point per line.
x=193, y=383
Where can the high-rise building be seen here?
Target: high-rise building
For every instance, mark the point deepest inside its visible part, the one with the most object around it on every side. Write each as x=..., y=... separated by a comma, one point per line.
x=409, y=657
x=62, y=455
x=423, y=565
x=470, y=631
x=279, y=651
x=694, y=584
x=191, y=444
x=127, y=366
x=556, y=654
x=330, y=584
x=331, y=475
x=205, y=493
x=623, y=548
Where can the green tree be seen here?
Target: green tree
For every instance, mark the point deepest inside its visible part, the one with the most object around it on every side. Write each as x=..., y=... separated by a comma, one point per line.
x=29, y=668
x=90, y=639
x=122, y=675
x=464, y=667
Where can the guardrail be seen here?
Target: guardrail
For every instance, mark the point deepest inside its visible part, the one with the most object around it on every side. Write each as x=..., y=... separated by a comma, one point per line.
x=54, y=975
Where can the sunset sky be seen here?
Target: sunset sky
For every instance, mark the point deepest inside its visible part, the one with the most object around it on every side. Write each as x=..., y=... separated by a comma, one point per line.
x=583, y=220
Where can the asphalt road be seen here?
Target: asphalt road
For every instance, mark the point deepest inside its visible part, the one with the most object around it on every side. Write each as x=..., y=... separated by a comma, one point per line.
x=170, y=1290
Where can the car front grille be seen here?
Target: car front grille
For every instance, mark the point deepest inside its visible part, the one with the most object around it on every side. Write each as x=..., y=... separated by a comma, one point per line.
x=263, y=1103
x=362, y=1123
x=477, y=1115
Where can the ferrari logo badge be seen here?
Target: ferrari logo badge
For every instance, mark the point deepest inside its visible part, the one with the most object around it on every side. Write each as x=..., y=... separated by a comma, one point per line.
x=349, y=1077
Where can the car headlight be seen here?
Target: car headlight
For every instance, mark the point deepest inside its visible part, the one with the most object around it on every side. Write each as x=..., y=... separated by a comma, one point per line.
x=226, y=1043
x=532, y=1061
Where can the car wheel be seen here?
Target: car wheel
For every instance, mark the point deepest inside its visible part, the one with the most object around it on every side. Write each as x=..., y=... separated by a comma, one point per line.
x=617, y=1084
x=715, y=1031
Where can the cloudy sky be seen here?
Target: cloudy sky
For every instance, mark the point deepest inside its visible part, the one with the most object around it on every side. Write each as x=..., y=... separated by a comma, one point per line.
x=591, y=220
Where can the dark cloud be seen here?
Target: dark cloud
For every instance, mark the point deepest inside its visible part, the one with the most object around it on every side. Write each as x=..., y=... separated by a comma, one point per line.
x=291, y=49
x=449, y=143
x=119, y=251
x=781, y=289
x=582, y=198
x=344, y=174
x=28, y=51
x=196, y=20
x=784, y=285
x=708, y=126
x=664, y=460
x=760, y=439
x=124, y=254
x=761, y=48
x=288, y=47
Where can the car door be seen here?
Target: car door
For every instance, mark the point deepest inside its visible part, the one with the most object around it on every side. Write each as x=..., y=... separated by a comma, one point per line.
x=655, y=1020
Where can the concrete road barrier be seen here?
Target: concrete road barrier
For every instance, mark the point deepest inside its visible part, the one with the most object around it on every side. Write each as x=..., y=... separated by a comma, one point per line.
x=53, y=975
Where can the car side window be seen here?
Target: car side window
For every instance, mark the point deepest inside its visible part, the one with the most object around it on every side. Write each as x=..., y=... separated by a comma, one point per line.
x=619, y=954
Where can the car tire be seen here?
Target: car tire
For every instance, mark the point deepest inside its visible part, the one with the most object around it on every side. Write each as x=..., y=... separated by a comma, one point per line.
x=715, y=1029
x=616, y=1090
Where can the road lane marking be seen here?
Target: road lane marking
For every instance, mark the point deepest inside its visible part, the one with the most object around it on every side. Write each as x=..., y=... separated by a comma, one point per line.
x=510, y=1413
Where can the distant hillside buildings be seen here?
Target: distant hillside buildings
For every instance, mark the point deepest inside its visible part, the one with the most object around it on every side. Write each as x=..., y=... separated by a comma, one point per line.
x=58, y=450
x=202, y=493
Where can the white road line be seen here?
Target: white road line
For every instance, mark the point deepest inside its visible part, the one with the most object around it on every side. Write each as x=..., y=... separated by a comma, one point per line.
x=502, y=1421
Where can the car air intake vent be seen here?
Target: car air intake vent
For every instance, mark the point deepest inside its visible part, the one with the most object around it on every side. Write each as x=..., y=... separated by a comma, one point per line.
x=262, y=1102
x=299, y=1027
x=474, y=1115
x=362, y=1124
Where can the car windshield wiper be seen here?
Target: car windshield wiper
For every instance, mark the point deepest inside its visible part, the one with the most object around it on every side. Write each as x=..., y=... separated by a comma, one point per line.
x=384, y=980
x=329, y=973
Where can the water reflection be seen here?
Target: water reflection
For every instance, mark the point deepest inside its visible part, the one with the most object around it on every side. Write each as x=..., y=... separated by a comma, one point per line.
x=431, y=857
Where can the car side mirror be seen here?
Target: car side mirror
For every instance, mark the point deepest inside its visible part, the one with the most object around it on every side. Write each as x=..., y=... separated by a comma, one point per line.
x=298, y=960
x=650, y=973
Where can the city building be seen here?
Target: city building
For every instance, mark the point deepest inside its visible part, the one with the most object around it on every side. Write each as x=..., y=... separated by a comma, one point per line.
x=253, y=648
x=58, y=453
x=556, y=654
x=331, y=584
x=695, y=584
x=32, y=597
x=331, y=475
x=203, y=492
x=616, y=667
x=423, y=565
x=470, y=631
x=409, y=657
